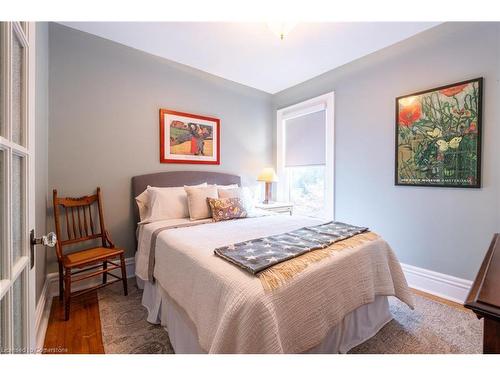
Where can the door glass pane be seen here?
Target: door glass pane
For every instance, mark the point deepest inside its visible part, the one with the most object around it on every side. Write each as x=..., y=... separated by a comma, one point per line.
x=18, y=317
x=17, y=90
x=17, y=207
x=2, y=80
x=307, y=190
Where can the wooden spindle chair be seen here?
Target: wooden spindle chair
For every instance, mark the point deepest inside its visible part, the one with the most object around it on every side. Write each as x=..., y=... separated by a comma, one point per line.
x=80, y=226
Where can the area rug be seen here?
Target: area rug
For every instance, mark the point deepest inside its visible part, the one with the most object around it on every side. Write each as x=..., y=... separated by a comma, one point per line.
x=431, y=328
x=124, y=326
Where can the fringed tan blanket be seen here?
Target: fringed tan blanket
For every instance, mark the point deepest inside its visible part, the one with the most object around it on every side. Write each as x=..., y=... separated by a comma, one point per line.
x=279, y=274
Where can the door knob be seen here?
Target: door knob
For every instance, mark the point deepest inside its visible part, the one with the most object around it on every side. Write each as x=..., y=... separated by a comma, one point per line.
x=49, y=240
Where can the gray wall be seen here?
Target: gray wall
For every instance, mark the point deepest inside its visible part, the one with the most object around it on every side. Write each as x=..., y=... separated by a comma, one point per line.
x=104, y=102
x=41, y=147
x=442, y=229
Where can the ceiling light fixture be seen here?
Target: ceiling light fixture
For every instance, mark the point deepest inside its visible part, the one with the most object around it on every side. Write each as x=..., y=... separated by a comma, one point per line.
x=281, y=29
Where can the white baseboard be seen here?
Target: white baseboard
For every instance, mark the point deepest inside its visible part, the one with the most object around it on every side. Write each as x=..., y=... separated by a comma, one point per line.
x=439, y=284
x=51, y=289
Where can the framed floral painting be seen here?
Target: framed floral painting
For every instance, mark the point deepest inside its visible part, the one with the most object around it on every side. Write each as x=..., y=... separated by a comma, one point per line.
x=188, y=138
x=438, y=136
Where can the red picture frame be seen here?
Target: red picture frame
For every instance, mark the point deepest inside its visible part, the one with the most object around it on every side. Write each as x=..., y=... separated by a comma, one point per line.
x=187, y=138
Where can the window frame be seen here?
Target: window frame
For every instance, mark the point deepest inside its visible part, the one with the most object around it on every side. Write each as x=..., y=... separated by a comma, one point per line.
x=322, y=102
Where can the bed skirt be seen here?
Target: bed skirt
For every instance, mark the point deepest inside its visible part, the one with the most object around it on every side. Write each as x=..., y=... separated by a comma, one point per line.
x=356, y=327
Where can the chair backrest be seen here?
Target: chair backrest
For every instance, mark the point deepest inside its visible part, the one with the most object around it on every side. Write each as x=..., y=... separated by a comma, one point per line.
x=78, y=222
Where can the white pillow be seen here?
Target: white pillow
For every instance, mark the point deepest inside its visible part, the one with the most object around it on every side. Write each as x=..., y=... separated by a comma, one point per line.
x=197, y=201
x=163, y=203
x=244, y=193
x=142, y=201
x=232, y=186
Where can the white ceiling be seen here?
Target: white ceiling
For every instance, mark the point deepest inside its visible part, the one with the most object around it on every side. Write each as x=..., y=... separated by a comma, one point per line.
x=249, y=53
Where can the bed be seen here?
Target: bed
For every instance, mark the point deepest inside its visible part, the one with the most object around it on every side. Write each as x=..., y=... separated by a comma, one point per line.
x=330, y=303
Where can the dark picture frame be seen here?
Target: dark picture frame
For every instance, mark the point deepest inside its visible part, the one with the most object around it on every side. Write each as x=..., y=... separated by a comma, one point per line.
x=438, y=136
x=187, y=138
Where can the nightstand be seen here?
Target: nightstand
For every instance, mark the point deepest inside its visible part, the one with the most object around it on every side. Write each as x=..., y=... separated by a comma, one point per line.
x=278, y=207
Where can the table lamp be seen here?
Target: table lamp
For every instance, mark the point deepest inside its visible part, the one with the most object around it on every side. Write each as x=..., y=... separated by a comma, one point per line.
x=268, y=175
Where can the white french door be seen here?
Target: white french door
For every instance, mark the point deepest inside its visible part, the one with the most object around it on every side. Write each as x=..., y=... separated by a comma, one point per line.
x=17, y=274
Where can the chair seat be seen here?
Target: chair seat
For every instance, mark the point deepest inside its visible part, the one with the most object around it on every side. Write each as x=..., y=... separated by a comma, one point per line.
x=84, y=257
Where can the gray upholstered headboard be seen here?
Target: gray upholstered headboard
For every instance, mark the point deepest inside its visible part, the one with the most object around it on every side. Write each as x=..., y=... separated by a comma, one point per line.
x=179, y=178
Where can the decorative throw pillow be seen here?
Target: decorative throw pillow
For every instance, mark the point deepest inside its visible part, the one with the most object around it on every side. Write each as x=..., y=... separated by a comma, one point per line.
x=227, y=208
x=197, y=201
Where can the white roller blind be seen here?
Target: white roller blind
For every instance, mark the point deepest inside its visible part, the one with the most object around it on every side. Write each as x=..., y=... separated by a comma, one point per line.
x=305, y=142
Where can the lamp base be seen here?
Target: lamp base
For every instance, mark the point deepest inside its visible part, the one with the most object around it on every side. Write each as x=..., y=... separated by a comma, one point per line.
x=267, y=198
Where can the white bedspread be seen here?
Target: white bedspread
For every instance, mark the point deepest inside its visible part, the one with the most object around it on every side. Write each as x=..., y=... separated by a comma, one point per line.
x=229, y=307
x=144, y=237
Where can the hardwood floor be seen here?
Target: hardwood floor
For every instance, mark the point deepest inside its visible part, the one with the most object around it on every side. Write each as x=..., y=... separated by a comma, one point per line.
x=81, y=333
x=439, y=299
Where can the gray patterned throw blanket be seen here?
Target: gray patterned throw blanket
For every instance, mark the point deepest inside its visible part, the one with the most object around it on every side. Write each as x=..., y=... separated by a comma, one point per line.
x=257, y=255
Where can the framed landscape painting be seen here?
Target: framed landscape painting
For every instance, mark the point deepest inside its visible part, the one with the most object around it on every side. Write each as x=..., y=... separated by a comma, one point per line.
x=188, y=138
x=438, y=136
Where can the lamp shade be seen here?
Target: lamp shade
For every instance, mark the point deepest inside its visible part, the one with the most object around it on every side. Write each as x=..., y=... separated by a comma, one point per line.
x=267, y=175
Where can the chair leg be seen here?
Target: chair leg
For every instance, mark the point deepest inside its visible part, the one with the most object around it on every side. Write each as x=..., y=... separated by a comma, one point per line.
x=61, y=289
x=67, y=293
x=105, y=274
x=124, y=275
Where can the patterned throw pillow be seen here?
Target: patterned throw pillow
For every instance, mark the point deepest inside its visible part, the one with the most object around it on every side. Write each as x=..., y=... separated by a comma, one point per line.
x=226, y=208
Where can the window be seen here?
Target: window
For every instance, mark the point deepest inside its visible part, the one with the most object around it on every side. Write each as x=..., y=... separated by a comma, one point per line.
x=307, y=190
x=305, y=156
